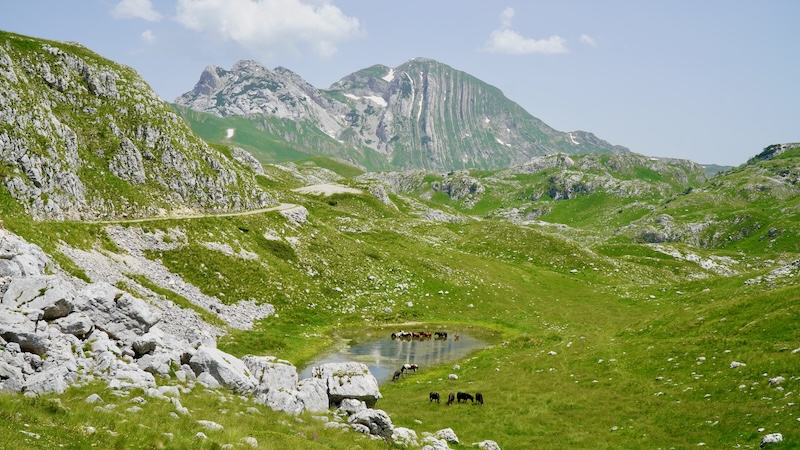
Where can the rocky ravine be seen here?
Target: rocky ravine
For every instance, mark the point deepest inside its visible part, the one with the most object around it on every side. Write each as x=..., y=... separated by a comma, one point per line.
x=57, y=331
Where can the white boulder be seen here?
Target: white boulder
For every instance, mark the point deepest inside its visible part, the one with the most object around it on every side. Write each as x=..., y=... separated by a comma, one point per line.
x=377, y=421
x=226, y=369
x=349, y=380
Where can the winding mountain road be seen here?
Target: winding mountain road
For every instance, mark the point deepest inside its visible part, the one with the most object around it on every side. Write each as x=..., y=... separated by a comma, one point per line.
x=279, y=207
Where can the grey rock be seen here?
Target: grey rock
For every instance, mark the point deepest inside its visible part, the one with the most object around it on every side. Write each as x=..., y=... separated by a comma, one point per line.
x=77, y=324
x=296, y=215
x=404, y=437
x=432, y=443
x=313, y=393
x=351, y=406
x=377, y=421
x=116, y=312
x=281, y=400
x=247, y=159
x=447, y=434
x=348, y=380
x=210, y=426
x=271, y=374
x=94, y=398
x=50, y=294
x=28, y=342
x=48, y=381
x=249, y=441
x=208, y=380
x=226, y=369
x=487, y=445
x=772, y=438
x=776, y=380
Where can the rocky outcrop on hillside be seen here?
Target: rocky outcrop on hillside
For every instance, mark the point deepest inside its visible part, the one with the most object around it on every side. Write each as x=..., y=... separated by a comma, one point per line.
x=85, y=138
x=419, y=115
x=56, y=331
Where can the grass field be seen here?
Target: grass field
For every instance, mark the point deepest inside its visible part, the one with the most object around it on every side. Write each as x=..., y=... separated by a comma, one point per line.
x=593, y=343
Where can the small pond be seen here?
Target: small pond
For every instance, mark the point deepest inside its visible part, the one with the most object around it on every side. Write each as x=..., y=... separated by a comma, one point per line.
x=383, y=355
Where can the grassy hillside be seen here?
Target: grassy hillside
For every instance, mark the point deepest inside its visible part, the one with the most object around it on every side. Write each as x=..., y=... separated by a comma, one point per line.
x=273, y=140
x=595, y=343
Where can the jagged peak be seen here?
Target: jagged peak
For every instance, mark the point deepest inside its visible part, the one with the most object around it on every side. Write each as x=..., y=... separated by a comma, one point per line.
x=249, y=66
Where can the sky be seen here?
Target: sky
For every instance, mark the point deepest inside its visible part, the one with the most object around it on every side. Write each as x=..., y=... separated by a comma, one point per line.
x=713, y=81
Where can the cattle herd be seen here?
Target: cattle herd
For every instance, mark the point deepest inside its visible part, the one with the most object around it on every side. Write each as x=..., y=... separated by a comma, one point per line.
x=459, y=397
x=422, y=335
x=434, y=396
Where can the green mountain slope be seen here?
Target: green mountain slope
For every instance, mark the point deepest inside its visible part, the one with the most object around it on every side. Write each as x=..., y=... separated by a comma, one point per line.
x=83, y=137
x=753, y=207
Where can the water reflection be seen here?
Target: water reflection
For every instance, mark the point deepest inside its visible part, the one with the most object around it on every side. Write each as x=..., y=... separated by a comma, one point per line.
x=385, y=355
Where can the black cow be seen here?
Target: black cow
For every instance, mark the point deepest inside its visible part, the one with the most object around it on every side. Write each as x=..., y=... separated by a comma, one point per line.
x=479, y=398
x=440, y=334
x=451, y=398
x=397, y=375
x=464, y=396
x=434, y=396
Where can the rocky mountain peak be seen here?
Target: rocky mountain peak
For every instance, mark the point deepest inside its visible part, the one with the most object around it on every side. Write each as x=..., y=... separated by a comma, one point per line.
x=210, y=79
x=420, y=114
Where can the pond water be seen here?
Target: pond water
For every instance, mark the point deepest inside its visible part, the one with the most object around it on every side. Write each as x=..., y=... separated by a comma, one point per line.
x=384, y=355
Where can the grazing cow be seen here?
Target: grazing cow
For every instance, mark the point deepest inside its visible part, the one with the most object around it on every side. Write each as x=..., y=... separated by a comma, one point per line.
x=440, y=334
x=479, y=398
x=434, y=396
x=413, y=367
x=450, y=399
x=464, y=396
x=397, y=375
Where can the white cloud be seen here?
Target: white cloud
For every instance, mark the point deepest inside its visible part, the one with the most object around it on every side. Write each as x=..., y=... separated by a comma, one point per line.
x=136, y=9
x=267, y=25
x=148, y=37
x=505, y=40
x=506, y=16
x=588, y=40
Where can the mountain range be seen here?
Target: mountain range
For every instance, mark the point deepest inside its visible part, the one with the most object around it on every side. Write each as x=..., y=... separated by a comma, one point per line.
x=163, y=280
x=420, y=115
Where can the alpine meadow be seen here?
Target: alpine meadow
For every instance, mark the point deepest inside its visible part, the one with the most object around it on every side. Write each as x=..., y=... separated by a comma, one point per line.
x=169, y=270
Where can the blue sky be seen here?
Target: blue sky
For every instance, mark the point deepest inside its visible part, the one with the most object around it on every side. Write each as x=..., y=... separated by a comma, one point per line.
x=712, y=81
